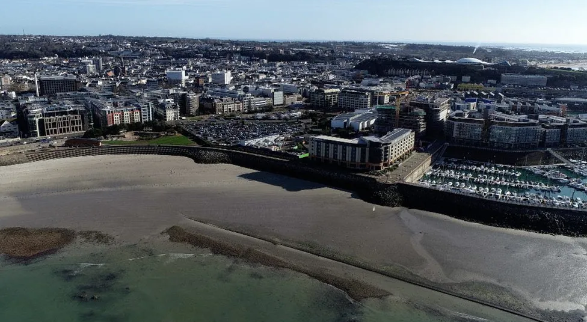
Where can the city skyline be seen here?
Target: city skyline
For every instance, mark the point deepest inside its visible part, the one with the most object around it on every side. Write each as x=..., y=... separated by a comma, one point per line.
x=534, y=22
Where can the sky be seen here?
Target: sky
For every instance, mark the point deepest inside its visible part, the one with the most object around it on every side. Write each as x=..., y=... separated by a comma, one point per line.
x=430, y=21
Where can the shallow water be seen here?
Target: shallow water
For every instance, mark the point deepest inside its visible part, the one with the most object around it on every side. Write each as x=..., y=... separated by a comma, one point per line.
x=140, y=283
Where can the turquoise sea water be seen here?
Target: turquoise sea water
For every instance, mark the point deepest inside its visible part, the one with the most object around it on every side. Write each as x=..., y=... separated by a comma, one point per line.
x=138, y=283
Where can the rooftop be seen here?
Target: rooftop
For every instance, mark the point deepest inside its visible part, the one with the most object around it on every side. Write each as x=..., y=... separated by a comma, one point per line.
x=65, y=77
x=386, y=107
x=470, y=61
x=336, y=139
x=389, y=137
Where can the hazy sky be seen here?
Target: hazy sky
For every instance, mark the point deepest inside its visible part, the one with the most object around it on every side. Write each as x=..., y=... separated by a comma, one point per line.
x=497, y=21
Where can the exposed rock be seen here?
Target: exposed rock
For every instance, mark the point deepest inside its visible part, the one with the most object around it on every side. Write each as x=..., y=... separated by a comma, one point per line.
x=26, y=243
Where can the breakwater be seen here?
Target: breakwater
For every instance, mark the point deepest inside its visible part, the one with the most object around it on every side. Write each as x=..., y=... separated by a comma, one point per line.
x=471, y=208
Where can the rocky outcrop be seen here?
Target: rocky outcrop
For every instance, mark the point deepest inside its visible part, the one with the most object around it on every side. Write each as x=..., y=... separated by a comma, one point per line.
x=24, y=244
x=354, y=288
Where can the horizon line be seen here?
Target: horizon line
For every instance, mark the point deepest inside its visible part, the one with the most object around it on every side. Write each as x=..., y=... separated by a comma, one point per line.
x=423, y=42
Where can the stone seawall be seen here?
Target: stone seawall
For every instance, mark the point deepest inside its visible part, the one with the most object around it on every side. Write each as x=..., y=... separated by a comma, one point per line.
x=546, y=220
x=526, y=217
x=367, y=188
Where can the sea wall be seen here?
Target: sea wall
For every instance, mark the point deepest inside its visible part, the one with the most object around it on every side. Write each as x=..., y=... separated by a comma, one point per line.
x=471, y=208
x=546, y=220
x=365, y=187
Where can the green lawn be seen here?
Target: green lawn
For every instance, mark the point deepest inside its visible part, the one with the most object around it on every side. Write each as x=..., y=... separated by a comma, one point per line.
x=164, y=140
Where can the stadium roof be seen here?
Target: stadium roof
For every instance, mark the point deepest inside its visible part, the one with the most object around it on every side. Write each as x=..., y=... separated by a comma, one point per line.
x=470, y=61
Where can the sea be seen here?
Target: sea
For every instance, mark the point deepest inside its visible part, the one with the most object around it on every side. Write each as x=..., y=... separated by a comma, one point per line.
x=173, y=283
x=557, y=48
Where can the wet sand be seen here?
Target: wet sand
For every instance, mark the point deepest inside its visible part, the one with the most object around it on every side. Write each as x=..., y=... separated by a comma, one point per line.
x=137, y=197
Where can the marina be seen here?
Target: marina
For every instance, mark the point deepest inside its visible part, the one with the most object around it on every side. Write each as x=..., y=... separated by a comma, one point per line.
x=561, y=186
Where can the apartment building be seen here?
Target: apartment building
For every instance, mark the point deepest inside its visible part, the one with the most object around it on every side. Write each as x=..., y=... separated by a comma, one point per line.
x=189, y=103
x=367, y=153
x=326, y=99
x=108, y=113
x=413, y=119
x=465, y=131
x=514, y=132
x=222, y=78
x=524, y=80
x=351, y=99
x=251, y=103
x=551, y=136
x=176, y=76
x=437, y=110
x=225, y=105
x=277, y=97
x=56, y=120
x=291, y=99
x=385, y=119
x=576, y=132
x=167, y=110
x=49, y=85
x=146, y=110
x=119, y=115
x=503, y=131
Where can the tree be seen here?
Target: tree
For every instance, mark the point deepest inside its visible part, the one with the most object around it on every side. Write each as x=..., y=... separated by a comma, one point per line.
x=93, y=133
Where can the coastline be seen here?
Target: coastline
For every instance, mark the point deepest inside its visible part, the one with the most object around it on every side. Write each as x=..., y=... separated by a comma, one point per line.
x=545, y=220
x=96, y=193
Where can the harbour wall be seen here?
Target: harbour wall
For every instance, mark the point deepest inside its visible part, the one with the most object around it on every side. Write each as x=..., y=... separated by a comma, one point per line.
x=560, y=221
x=466, y=207
x=419, y=170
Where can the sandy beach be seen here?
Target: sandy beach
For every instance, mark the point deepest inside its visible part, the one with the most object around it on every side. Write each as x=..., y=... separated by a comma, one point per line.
x=135, y=198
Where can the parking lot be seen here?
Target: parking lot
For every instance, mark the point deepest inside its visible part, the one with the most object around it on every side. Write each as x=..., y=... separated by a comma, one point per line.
x=234, y=131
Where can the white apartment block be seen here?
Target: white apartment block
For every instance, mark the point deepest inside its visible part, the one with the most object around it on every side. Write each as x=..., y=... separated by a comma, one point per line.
x=510, y=136
x=369, y=152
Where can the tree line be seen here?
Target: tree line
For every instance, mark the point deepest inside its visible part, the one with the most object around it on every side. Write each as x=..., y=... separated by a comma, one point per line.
x=152, y=126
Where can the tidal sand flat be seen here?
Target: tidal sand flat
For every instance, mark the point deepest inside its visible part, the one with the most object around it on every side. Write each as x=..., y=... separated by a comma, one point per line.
x=135, y=198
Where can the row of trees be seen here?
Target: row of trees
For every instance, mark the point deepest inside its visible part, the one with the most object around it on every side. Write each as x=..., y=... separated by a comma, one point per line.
x=153, y=126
